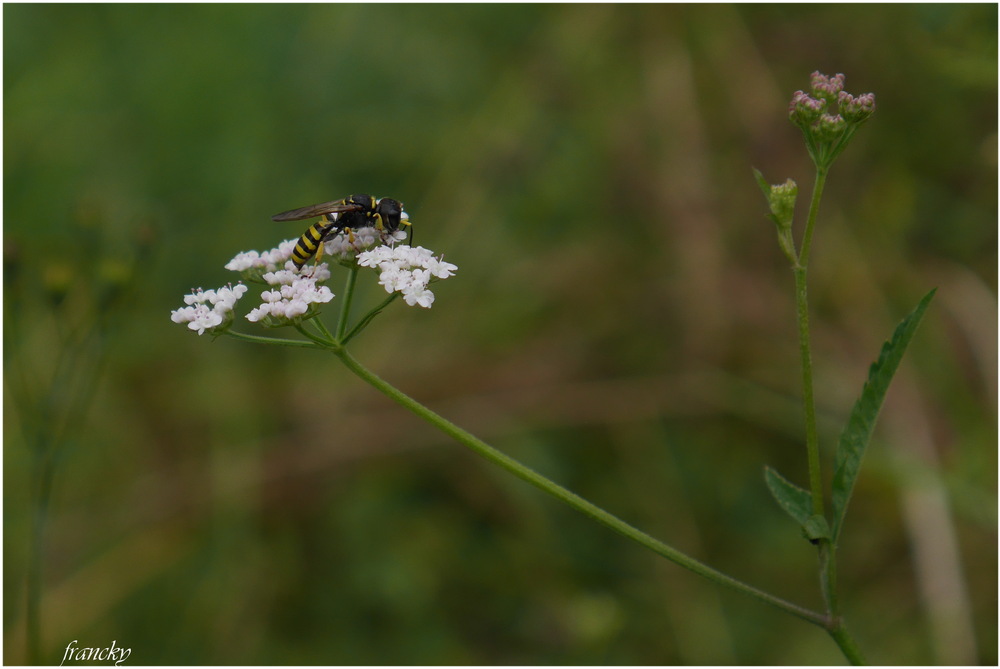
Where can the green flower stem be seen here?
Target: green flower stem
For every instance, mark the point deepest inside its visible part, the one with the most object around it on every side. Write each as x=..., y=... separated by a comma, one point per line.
x=580, y=504
x=327, y=338
x=802, y=307
x=827, y=550
x=809, y=405
x=817, y=195
x=828, y=576
x=257, y=339
x=321, y=341
x=47, y=426
x=363, y=323
x=345, y=305
x=848, y=646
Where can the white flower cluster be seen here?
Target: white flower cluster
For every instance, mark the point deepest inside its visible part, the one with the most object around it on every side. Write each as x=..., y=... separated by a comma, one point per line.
x=407, y=270
x=292, y=298
x=294, y=291
x=268, y=261
x=200, y=316
x=345, y=246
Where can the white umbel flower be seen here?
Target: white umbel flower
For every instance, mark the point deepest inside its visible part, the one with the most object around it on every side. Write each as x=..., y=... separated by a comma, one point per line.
x=254, y=265
x=345, y=247
x=268, y=261
x=407, y=270
x=209, y=310
x=290, y=300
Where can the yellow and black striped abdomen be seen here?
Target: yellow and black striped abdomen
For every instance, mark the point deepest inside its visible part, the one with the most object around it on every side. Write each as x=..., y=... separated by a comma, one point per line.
x=310, y=242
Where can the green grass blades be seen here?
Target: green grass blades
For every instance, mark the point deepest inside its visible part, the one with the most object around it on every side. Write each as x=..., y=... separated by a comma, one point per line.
x=857, y=433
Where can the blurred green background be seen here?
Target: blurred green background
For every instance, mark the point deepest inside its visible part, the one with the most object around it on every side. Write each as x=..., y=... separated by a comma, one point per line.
x=621, y=321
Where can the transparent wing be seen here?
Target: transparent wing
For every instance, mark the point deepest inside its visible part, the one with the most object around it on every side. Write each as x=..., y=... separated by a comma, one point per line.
x=335, y=207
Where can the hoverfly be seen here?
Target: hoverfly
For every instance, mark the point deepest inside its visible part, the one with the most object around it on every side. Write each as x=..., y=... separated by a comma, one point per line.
x=352, y=213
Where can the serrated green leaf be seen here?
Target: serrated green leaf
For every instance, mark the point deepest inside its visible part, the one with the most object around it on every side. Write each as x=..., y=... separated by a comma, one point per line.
x=796, y=502
x=858, y=431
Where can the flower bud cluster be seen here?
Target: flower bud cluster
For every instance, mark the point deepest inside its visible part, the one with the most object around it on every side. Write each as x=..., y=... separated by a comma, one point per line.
x=210, y=310
x=805, y=110
x=407, y=270
x=856, y=109
x=826, y=88
x=781, y=200
x=830, y=127
x=829, y=116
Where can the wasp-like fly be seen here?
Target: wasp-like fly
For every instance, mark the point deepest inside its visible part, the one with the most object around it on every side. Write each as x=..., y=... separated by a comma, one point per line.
x=342, y=216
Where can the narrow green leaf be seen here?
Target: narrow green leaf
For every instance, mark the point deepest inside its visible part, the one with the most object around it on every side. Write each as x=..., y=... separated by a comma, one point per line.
x=765, y=187
x=796, y=502
x=858, y=431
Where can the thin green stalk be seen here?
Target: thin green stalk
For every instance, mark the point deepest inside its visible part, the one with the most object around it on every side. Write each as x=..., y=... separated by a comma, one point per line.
x=44, y=475
x=827, y=550
x=345, y=305
x=327, y=338
x=78, y=370
x=580, y=504
x=808, y=402
x=828, y=577
x=802, y=308
x=363, y=323
x=848, y=646
x=257, y=339
x=57, y=409
x=817, y=194
x=323, y=342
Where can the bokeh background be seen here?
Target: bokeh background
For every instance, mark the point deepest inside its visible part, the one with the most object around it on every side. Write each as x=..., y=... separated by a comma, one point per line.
x=622, y=321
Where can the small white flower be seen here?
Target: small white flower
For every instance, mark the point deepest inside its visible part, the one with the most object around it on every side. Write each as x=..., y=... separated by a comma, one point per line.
x=282, y=276
x=407, y=270
x=440, y=268
x=391, y=278
x=254, y=265
x=280, y=255
x=244, y=261
x=419, y=296
x=209, y=309
x=291, y=298
x=345, y=246
x=257, y=313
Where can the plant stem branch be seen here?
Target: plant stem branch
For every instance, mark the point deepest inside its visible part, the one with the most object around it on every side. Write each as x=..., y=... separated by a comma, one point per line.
x=572, y=499
x=817, y=194
x=808, y=402
x=345, y=305
x=827, y=550
x=257, y=339
x=848, y=646
x=363, y=323
x=802, y=308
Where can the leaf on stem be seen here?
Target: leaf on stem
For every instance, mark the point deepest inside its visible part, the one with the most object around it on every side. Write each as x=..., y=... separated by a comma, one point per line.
x=858, y=431
x=796, y=501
